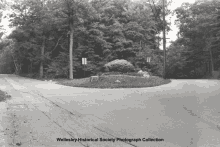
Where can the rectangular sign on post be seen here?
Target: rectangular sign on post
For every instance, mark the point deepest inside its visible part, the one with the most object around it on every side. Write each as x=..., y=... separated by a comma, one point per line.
x=148, y=59
x=84, y=61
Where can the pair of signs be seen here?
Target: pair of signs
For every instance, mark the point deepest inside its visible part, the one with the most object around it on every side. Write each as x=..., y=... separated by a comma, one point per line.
x=148, y=59
x=84, y=61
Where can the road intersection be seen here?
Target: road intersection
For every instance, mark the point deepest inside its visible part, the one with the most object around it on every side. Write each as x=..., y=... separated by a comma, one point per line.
x=181, y=113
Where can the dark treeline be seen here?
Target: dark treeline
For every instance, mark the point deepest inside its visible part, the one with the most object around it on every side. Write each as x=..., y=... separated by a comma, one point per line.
x=196, y=52
x=48, y=33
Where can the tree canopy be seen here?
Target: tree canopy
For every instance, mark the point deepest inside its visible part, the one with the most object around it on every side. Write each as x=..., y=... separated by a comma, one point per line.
x=48, y=32
x=198, y=34
x=51, y=37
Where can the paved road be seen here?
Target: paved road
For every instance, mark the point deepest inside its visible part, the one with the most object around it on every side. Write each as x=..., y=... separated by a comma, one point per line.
x=182, y=113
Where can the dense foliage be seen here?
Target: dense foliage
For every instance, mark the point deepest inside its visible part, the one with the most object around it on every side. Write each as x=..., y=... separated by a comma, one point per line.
x=52, y=36
x=47, y=32
x=196, y=52
x=119, y=66
x=6, y=58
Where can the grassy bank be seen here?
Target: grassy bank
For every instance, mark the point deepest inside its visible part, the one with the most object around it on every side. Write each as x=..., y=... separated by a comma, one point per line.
x=109, y=82
x=3, y=96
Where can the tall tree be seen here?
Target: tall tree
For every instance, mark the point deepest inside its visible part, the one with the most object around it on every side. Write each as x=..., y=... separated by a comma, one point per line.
x=34, y=20
x=75, y=11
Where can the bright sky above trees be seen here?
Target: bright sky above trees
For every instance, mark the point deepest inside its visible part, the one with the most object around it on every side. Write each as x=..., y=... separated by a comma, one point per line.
x=173, y=32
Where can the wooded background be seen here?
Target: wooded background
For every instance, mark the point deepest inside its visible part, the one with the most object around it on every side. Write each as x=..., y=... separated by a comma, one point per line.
x=52, y=36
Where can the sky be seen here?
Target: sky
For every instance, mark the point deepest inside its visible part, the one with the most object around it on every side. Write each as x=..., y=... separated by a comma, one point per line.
x=5, y=24
x=171, y=34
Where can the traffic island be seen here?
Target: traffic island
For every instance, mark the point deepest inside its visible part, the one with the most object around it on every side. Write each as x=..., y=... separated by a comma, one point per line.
x=105, y=82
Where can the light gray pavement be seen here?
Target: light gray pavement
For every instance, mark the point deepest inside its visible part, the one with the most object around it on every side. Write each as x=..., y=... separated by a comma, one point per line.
x=183, y=113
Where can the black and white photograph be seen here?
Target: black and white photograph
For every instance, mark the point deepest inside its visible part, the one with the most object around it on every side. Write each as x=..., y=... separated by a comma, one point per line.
x=109, y=73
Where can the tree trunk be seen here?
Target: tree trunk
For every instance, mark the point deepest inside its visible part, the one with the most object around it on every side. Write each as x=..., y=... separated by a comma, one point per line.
x=211, y=61
x=71, y=54
x=42, y=56
x=31, y=67
x=17, y=69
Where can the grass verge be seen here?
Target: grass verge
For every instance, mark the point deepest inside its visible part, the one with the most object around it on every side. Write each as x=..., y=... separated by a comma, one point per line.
x=3, y=96
x=127, y=80
x=109, y=82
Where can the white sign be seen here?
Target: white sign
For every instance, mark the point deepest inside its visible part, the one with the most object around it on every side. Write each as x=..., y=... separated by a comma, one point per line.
x=84, y=61
x=148, y=59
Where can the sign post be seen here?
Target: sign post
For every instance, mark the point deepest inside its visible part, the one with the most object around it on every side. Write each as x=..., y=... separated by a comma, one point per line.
x=148, y=59
x=84, y=62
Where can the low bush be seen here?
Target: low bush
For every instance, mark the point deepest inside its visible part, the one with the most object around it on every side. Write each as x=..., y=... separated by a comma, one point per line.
x=119, y=66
